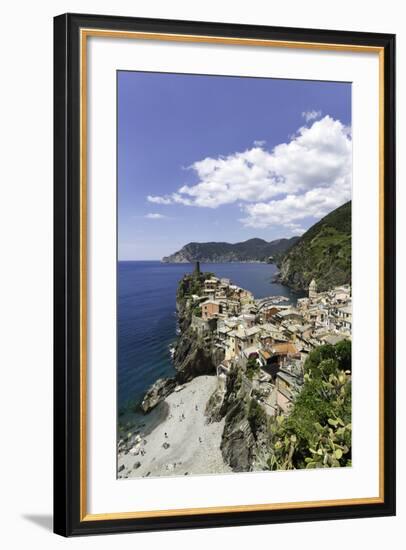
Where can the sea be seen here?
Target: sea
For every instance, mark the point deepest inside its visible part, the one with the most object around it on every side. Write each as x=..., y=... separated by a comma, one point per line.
x=146, y=324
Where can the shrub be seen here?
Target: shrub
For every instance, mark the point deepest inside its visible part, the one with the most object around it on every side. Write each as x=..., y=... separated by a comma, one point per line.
x=317, y=433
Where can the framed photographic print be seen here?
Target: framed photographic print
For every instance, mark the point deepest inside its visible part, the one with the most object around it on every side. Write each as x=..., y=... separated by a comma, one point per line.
x=224, y=274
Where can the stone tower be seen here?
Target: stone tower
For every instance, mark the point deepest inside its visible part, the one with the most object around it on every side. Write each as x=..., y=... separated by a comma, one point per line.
x=313, y=290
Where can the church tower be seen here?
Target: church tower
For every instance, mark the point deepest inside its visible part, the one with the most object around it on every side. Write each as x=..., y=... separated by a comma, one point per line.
x=313, y=290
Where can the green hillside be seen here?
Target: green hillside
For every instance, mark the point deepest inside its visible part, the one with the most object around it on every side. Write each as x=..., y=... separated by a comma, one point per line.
x=323, y=253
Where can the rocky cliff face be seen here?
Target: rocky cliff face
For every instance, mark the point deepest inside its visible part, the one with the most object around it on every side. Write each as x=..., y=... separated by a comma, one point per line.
x=238, y=442
x=195, y=356
x=245, y=426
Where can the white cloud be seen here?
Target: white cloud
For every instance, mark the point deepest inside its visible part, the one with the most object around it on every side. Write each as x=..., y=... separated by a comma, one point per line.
x=154, y=216
x=306, y=177
x=159, y=200
x=315, y=203
x=259, y=143
x=295, y=228
x=311, y=115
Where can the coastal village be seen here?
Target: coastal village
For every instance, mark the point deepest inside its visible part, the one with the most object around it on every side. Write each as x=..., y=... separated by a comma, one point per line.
x=268, y=339
x=234, y=354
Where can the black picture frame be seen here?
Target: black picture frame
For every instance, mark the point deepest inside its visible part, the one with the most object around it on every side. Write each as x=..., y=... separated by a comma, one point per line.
x=67, y=356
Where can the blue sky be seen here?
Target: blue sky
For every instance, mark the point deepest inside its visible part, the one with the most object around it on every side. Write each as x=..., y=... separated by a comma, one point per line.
x=213, y=158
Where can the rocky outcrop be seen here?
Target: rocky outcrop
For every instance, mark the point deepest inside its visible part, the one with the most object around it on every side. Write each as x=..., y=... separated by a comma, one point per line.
x=243, y=441
x=157, y=393
x=195, y=356
x=214, y=411
x=238, y=442
x=195, y=353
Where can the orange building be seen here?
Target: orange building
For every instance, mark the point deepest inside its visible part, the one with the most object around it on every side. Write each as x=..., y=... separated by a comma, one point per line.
x=210, y=309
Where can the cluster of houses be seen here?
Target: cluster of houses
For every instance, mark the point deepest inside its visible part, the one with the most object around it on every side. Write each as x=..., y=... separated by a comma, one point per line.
x=269, y=339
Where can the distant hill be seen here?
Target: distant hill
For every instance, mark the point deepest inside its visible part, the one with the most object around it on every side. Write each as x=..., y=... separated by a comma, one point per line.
x=253, y=250
x=322, y=253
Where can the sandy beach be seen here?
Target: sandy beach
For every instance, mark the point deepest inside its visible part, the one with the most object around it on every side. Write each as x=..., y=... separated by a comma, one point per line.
x=175, y=439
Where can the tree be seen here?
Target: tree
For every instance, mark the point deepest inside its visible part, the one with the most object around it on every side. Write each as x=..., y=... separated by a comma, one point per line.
x=327, y=359
x=252, y=367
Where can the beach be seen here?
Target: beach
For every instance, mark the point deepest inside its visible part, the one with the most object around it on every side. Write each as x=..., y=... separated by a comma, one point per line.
x=174, y=438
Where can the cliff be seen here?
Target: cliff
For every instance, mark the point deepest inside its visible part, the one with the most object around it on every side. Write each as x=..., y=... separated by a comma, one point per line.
x=195, y=353
x=253, y=250
x=245, y=434
x=323, y=253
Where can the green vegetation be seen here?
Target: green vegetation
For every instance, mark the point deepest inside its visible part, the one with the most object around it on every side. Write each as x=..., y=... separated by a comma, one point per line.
x=191, y=284
x=323, y=253
x=247, y=251
x=327, y=359
x=317, y=433
x=252, y=368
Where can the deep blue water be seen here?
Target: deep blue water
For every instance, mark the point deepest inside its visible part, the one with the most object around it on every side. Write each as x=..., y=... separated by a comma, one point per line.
x=147, y=320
